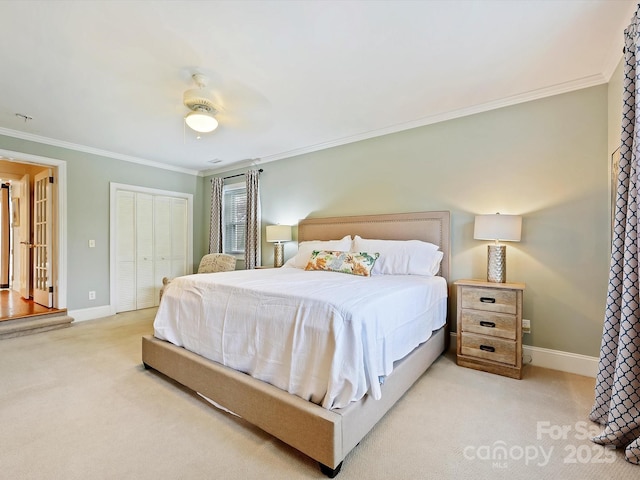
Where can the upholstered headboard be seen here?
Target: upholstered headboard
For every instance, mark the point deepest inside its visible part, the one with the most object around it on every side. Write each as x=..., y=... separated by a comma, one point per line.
x=430, y=227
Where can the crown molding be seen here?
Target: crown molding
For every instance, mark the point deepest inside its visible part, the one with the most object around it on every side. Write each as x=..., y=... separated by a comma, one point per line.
x=585, y=82
x=93, y=151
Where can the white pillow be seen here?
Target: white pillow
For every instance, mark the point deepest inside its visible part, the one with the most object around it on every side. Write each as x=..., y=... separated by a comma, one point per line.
x=401, y=257
x=305, y=249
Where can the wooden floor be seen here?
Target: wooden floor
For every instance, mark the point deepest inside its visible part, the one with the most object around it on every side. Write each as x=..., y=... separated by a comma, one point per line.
x=13, y=306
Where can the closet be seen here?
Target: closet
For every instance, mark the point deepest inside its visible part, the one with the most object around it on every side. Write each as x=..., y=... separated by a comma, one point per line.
x=151, y=243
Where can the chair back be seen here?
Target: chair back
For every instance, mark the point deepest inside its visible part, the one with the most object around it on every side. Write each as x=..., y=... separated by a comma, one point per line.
x=217, y=262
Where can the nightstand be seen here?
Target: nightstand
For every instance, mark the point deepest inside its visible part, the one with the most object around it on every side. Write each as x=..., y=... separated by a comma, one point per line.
x=489, y=326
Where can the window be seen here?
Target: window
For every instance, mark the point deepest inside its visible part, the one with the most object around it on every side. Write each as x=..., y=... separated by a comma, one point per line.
x=234, y=218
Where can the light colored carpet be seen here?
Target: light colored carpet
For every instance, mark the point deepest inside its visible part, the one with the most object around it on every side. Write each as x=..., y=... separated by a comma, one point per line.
x=77, y=404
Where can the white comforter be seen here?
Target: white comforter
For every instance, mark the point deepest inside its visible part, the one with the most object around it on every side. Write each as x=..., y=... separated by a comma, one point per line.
x=326, y=337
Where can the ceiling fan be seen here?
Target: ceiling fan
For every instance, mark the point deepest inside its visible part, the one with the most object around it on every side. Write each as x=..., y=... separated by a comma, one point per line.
x=217, y=99
x=201, y=118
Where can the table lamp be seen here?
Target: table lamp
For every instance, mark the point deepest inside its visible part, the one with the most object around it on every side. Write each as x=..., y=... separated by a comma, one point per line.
x=278, y=234
x=505, y=228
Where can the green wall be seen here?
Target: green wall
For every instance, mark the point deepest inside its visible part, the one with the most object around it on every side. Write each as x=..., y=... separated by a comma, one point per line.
x=546, y=160
x=615, y=87
x=88, y=179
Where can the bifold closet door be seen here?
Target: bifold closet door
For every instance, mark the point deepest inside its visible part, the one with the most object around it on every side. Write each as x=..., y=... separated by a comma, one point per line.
x=179, y=224
x=126, y=251
x=162, y=241
x=145, y=289
x=151, y=244
x=170, y=238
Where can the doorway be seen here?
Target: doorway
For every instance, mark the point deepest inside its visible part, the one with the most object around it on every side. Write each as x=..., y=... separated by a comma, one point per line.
x=16, y=301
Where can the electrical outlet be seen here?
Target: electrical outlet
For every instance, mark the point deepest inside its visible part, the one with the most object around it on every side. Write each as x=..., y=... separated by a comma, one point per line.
x=92, y=295
x=526, y=326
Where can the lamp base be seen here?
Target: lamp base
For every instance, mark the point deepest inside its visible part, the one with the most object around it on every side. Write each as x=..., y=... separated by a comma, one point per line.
x=497, y=263
x=278, y=254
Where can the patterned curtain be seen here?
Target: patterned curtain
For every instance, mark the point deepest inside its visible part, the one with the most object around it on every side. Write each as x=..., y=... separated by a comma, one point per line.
x=252, y=256
x=617, y=403
x=215, y=222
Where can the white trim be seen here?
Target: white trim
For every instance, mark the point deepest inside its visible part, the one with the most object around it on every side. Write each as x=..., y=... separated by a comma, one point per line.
x=90, y=313
x=585, y=82
x=113, y=188
x=553, y=359
x=94, y=151
x=61, y=166
x=559, y=360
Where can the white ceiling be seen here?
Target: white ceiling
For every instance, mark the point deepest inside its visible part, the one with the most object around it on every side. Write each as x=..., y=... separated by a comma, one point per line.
x=291, y=77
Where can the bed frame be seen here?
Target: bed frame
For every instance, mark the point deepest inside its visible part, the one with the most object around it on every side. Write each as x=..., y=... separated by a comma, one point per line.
x=324, y=435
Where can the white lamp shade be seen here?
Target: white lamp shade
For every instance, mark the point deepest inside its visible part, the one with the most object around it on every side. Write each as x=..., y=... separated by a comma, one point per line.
x=498, y=227
x=278, y=233
x=201, y=121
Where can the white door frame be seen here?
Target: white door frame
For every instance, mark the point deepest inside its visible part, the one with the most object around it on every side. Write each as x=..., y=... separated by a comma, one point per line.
x=113, y=188
x=60, y=275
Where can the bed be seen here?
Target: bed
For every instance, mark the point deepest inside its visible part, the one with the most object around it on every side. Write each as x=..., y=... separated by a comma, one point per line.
x=325, y=433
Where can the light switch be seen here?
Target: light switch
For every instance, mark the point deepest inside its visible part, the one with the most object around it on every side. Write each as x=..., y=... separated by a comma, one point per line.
x=92, y=243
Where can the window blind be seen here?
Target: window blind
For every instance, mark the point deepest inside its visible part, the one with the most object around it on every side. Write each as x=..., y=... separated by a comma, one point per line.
x=234, y=206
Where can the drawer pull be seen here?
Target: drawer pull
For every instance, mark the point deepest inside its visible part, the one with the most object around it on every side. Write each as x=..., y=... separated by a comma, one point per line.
x=487, y=324
x=487, y=300
x=487, y=348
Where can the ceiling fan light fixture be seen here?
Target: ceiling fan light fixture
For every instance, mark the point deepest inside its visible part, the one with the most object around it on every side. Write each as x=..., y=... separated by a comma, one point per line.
x=201, y=121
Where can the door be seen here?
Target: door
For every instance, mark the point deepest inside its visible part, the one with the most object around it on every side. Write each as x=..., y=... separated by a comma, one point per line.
x=134, y=252
x=145, y=289
x=151, y=242
x=42, y=235
x=161, y=241
x=169, y=239
x=178, y=237
x=126, y=251
x=22, y=258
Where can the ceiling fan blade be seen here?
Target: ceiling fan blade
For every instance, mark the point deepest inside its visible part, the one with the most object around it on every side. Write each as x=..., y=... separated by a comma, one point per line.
x=238, y=106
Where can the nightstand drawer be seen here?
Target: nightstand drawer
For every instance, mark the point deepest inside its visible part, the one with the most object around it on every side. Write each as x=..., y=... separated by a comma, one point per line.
x=489, y=299
x=489, y=323
x=489, y=348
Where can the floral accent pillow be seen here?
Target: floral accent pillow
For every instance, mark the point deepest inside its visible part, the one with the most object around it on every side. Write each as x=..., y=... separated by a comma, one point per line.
x=353, y=263
x=305, y=249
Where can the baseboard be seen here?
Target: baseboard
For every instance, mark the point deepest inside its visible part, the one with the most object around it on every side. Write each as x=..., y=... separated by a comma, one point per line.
x=91, y=313
x=554, y=359
x=563, y=361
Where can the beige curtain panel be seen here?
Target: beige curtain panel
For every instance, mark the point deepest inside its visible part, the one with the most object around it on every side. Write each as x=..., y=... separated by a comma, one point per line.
x=215, y=221
x=252, y=254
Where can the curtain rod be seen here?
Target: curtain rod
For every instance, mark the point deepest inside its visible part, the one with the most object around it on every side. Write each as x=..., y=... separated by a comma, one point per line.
x=239, y=175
